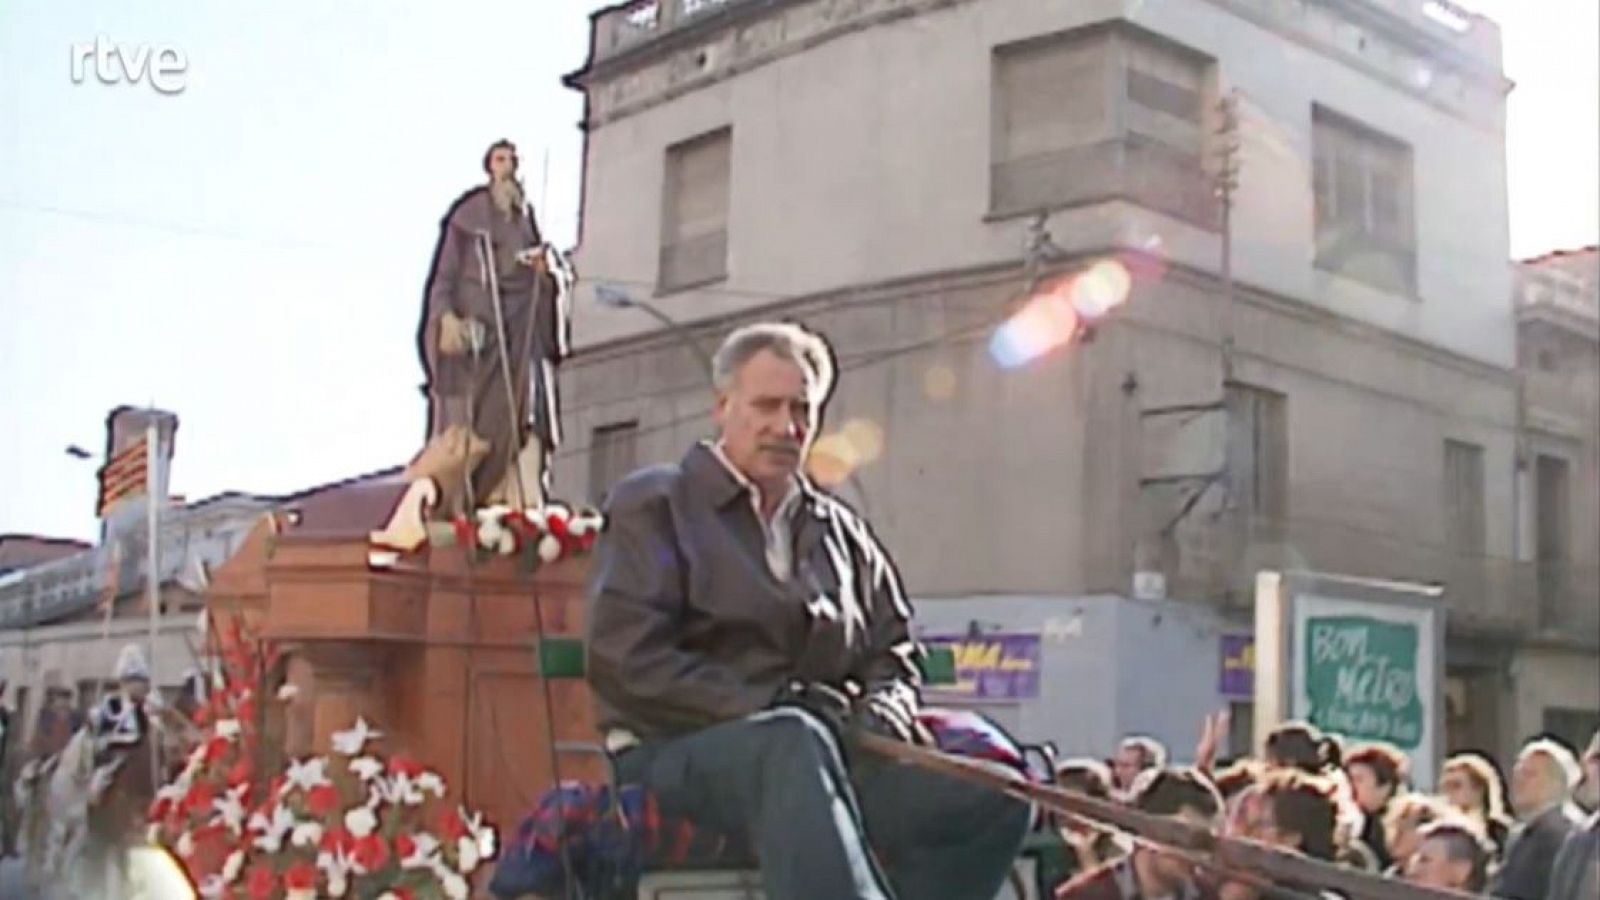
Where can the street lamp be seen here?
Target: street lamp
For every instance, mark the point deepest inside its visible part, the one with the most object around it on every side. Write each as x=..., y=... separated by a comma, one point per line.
x=618, y=298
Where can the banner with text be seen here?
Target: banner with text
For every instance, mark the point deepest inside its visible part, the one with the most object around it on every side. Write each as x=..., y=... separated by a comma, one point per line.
x=991, y=666
x=1368, y=672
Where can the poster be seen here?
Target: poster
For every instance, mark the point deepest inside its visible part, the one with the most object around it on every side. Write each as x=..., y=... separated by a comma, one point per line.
x=1361, y=678
x=1368, y=670
x=991, y=666
x=1237, y=677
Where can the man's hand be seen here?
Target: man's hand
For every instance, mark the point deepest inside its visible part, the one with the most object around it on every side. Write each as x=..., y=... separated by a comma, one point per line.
x=881, y=715
x=458, y=334
x=533, y=258
x=1213, y=731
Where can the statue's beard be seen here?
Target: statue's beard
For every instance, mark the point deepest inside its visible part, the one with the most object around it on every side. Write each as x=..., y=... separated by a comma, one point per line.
x=507, y=195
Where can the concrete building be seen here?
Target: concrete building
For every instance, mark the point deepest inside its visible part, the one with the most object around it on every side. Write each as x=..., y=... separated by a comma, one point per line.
x=875, y=169
x=1558, y=356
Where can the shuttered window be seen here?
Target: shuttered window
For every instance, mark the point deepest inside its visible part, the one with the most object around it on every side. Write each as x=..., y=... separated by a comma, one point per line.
x=1096, y=114
x=694, y=226
x=1362, y=187
x=1258, y=451
x=1463, y=498
x=613, y=453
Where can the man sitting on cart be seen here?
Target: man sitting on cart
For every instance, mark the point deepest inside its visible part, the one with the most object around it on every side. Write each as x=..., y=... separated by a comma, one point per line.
x=745, y=625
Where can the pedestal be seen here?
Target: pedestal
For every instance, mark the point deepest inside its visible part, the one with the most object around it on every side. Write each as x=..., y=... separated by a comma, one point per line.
x=438, y=652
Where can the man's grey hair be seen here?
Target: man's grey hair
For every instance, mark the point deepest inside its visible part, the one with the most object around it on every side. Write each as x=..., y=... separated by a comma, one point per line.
x=791, y=341
x=1563, y=763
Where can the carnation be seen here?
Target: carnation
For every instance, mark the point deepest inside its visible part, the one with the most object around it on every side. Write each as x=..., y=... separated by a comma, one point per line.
x=356, y=823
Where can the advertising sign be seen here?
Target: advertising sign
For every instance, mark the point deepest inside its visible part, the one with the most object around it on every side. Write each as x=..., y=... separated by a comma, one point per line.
x=991, y=666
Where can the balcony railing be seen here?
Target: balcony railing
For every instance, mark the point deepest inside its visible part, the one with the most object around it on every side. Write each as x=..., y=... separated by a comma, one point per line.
x=1481, y=593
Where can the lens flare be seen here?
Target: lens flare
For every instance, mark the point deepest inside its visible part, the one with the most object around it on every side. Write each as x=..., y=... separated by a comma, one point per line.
x=1047, y=322
x=939, y=382
x=832, y=461
x=1102, y=288
x=865, y=438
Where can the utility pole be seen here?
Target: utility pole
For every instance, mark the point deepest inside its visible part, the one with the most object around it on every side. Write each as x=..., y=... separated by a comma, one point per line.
x=1226, y=182
x=152, y=441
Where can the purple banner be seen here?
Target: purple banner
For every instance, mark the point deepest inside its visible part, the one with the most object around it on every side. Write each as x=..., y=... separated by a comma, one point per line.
x=1237, y=677
x=991, y=666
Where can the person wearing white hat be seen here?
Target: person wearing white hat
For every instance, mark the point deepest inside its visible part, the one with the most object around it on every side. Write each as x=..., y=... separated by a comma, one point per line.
x=123, y=718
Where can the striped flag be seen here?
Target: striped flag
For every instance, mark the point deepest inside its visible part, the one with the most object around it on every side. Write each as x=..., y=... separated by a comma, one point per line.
x=124, y=476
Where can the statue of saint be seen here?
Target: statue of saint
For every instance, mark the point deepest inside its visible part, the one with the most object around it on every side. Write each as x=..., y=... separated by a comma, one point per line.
x=495, y=324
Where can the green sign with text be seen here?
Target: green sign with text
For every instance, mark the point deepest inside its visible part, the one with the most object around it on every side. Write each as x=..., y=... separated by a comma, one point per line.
x=1361, y=678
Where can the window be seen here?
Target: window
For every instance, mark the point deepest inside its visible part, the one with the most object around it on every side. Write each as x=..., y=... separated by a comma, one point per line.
x=694, y=223
x=1241, y=727
x=1096, y=114
x=1551, y=528
x=1463, y=498
x=1361, y=181
x=613, y=453
x=1574, y=726
x=1258, y=451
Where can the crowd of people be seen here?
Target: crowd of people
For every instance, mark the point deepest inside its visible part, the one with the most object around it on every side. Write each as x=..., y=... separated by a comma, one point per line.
x=1537, y=838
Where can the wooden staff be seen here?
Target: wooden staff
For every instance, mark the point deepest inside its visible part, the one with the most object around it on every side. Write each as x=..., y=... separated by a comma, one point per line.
x=1262, y=866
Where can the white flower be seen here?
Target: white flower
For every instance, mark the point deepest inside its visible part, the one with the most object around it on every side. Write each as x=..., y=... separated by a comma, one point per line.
x=337, y=867
x=349, y=743
x=486, y=843
x=288, y=692
x=466, y=854
x=272, y=830
x=232, y=866
x=422, y=856
x=366, y=768
x=549, y=548
x=228, y=728
x=213, y=887
x=537, y=518
x=306, y=894
x=306, y=834
x=388, y=895
x=455, y=887
x=185, y=846
x=488, y=533
x=307, y=774
x=496, y=513
x=230, y=808
x=360, y=822
x=432, y=783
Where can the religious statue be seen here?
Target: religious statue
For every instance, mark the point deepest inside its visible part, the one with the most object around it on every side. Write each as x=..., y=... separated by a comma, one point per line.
x=495, y=324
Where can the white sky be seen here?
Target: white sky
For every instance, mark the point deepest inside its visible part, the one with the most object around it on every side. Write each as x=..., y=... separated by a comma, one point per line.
x=250, y=253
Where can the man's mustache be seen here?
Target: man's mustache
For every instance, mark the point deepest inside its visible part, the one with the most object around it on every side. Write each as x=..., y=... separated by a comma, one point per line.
x=787, y=447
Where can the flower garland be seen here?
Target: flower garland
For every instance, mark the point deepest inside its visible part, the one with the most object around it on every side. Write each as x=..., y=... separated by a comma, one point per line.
x=539, y=535
x=349, y=824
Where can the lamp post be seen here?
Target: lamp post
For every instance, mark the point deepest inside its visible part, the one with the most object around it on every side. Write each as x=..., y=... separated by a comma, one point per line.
x=617, y=298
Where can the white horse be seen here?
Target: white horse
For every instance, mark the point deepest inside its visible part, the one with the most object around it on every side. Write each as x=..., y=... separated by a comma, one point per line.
x=54, y=797
x=65, y=854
